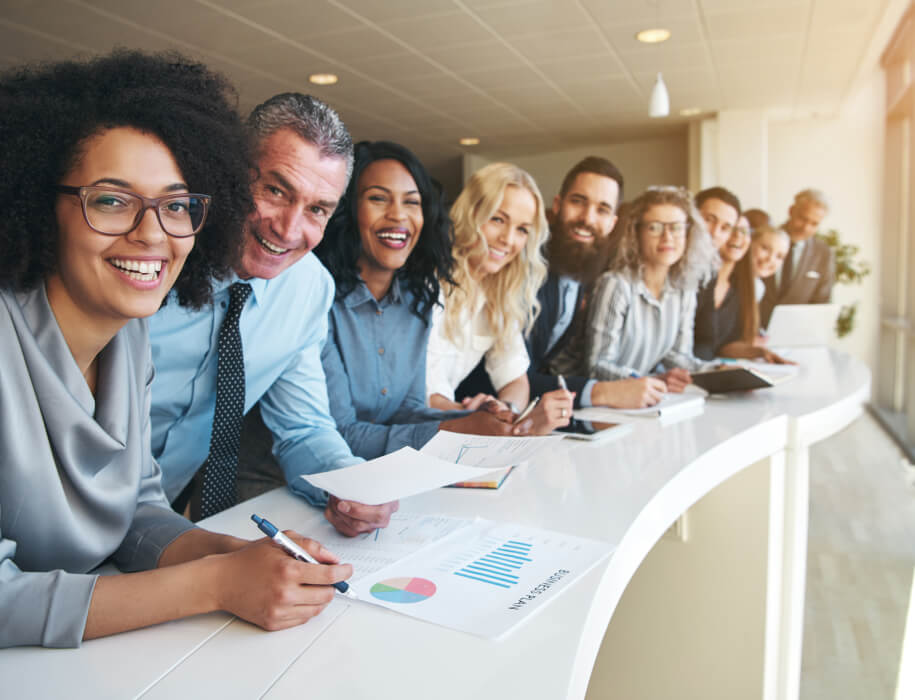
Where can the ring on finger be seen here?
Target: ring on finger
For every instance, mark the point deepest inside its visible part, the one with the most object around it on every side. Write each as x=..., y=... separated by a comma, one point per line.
x=562, y=413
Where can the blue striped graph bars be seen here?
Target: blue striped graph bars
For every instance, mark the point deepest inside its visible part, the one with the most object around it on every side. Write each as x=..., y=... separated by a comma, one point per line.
x=500, y=566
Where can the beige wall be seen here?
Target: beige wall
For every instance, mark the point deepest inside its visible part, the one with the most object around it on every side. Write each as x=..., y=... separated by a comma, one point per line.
x=657, y=161
x=691, y=623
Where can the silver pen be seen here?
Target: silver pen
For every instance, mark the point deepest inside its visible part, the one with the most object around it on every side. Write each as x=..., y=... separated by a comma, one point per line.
x=527, y=411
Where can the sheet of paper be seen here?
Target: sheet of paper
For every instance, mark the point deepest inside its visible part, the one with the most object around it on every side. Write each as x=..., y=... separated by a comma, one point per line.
x=671, y=403
x=484, y=579
x=392, y=477
x=371, y=551
x=492, y=452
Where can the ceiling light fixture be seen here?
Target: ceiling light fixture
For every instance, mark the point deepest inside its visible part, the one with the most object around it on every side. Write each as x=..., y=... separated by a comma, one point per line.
x=659, y=104
x=690, y=112
x=653, y=36
x=470, y=141
x=323, y=79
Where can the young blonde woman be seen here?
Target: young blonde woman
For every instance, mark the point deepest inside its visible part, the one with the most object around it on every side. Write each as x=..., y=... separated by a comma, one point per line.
x=768, y=248
x=640, y=318
x=499, y=233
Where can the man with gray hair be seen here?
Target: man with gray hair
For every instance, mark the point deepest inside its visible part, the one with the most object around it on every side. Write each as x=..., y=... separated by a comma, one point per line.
x=809, y=270
x=260, y=340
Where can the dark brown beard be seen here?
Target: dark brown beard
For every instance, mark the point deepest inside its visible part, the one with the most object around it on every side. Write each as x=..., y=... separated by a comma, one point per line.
x=581, y=261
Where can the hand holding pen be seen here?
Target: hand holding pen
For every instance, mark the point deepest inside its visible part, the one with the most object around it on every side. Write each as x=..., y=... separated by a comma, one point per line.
x=295, y=550
x=554, y=410
x=527, y=411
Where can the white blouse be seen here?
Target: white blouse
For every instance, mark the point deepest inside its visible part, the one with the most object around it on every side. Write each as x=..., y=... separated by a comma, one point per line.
x=449, y=362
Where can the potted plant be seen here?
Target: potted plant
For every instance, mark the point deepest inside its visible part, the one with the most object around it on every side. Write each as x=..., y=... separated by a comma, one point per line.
x=849, y=270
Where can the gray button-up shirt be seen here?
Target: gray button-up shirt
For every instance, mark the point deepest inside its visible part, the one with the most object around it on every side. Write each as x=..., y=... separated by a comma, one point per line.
x=630, y=332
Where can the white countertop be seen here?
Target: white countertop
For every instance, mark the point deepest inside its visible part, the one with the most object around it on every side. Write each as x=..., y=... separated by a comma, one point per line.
x=626, y=492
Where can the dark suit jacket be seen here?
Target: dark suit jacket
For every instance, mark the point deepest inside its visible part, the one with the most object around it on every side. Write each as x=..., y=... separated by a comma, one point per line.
x=811, y=281
x=537, y=349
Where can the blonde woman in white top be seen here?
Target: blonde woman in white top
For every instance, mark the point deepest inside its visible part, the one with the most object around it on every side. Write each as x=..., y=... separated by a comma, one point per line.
x=499, y=233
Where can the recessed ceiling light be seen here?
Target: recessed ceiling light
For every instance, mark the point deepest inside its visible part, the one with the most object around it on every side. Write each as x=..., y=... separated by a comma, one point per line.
x=690, y=112
x=469, y=141
x=323, y=78
x=653, y=36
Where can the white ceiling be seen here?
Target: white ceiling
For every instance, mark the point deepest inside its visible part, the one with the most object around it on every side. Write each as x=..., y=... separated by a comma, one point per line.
x=533, y=74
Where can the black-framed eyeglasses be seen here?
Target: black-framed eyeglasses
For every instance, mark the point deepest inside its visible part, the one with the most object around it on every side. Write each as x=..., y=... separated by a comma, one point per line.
x=656, y=229
x=114, y=212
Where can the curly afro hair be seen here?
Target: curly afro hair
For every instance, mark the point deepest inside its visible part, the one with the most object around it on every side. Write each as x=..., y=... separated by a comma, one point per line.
x=49, y=111
x=431, y=260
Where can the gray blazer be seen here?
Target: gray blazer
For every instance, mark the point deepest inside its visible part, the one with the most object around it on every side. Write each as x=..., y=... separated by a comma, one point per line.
x=78, y=483
x=811, y=281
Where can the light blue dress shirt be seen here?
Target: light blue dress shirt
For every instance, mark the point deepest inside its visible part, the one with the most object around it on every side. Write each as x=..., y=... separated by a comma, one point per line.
x=283, y=326
x=375, y=362
x=568, y=296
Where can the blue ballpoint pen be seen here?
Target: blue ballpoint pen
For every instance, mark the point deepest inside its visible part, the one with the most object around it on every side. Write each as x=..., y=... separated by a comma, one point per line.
x=294, y=550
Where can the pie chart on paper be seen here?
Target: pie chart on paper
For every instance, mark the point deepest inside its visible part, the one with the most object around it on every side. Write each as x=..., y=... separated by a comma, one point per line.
x=403, y=590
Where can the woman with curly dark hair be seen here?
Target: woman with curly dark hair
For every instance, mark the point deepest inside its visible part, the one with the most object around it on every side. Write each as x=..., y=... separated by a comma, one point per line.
x=120, y=177
x=387, y=247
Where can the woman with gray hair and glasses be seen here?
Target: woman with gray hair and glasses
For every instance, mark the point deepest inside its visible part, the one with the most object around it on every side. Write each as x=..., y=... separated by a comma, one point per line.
x=640, y=313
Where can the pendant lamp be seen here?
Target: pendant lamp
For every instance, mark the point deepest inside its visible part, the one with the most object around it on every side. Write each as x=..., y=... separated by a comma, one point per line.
x=659, y=105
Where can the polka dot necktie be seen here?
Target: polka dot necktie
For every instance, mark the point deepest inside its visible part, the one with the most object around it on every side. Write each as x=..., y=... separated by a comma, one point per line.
x=219, y=470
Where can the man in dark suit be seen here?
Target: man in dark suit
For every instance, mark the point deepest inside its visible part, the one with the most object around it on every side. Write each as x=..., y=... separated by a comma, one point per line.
x=809, y=270
x=581, y=221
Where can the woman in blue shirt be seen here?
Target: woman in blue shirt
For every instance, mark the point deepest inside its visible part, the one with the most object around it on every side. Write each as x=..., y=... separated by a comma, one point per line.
x=387, y=247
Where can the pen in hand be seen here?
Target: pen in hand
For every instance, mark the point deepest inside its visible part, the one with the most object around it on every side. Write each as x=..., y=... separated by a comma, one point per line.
x=562, y=383
x=294, y=550
x=527, y=411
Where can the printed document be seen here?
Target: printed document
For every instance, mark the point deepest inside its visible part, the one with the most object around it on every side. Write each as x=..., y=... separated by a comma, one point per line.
x=485, y=578
x=445, y=459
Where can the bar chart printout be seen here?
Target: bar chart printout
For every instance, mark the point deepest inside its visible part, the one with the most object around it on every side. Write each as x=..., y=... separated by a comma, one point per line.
x=501, y=566
x=485, y=578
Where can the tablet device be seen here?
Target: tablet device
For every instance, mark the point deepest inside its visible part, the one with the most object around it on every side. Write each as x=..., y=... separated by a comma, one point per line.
x=800, y=325
x=592, y=430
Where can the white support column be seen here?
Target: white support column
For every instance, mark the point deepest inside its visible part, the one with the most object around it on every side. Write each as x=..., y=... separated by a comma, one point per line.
x=740, y=156
x=772, y=665
x=789, y=606
x=743, y=155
